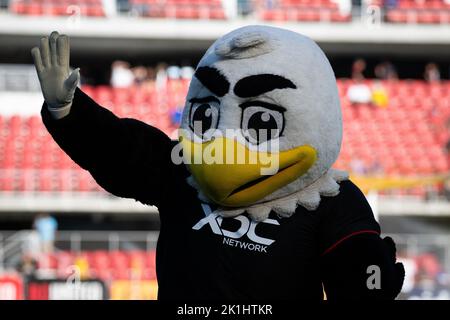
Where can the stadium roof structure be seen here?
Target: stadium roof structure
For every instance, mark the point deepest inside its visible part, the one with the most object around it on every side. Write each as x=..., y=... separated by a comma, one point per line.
x=152, y=36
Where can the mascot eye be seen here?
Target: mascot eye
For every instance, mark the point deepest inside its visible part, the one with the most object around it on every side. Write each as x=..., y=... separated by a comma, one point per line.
x=203, y=116
x=260, y=124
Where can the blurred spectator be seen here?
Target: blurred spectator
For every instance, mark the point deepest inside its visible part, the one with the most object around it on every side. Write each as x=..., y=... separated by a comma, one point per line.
x=375, y=168
x=176, y=115
x=121, y=75
x=46, y=227
x=385, y=71
x=424, y=289
x=161, y=76
x=244, y=7
x=136, y=268
x=270, y=4
x=410, y=266
x=432, y=73
x=151, y=73
x=186, y=72
x=109, y=7
x=443, y=284
x=359, y=93
x=358, y=68
x=379, y=95
x=31, y=253
x=230, y=8
x=429, y=263
x=82, y=265
x=344, y=6
x=357, y=166
x=357, y=3
x=173, y=72
x=28, y=267
x=390, y=4
x=4, y=4
x=140, y=74
x=32, y=245
x=149, y=82
x=429, y=287
x=123, y=5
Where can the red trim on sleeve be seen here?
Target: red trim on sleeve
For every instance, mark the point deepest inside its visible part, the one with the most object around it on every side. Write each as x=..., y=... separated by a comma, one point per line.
x=346, y=237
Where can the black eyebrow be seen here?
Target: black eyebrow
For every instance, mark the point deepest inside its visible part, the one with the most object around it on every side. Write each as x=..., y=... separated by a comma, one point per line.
x=204, y=99
x=262, y=104
x=255, y=85
x=212, y=79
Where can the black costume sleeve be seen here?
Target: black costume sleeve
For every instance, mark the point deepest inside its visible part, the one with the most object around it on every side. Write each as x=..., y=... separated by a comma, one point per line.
x=352, y=253
x=362, y=267
x=125, y=156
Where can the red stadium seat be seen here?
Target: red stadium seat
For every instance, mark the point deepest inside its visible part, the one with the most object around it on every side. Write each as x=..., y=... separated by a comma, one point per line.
x=429, y=12
x=314, y=10
x=103, y=264
x=411, y=130
x=57, y=7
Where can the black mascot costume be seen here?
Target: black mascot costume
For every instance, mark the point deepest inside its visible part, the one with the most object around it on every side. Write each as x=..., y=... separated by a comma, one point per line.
x=250, y=207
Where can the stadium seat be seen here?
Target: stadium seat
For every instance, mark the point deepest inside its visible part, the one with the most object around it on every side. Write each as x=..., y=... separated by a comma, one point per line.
x=300, y=10
x=31, y=161
x=412, y=11
x=57, y=7
x=104, y=265
x=179, y=9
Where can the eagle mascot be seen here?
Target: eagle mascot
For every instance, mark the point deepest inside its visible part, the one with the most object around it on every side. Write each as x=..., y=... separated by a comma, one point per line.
x=249, y=205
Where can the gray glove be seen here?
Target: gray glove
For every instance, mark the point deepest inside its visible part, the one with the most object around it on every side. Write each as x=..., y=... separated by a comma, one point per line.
x=58, y=84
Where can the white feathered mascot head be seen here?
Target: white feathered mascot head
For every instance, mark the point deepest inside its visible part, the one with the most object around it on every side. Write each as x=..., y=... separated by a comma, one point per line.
x=262, y=124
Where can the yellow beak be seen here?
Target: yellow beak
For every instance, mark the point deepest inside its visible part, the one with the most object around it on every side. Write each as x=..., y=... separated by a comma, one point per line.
x=233, y=176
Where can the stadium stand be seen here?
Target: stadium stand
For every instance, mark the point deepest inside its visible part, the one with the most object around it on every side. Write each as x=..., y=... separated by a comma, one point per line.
x=398, y=136
x=405, y=138
x=58, y=7
x=179, y=9
x=101, y=264
x=419, y=11
x=302, y=10
x=403, y=11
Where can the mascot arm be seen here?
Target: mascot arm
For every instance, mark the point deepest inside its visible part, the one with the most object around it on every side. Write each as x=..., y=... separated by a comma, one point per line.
x=355, y=262
x=125, y=156
x=362, y=267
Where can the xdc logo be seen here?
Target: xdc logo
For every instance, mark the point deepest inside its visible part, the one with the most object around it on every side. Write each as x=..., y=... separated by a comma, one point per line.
x=247, y=227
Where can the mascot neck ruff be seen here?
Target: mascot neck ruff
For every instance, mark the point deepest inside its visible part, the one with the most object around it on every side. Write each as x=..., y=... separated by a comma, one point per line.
x=262, y=124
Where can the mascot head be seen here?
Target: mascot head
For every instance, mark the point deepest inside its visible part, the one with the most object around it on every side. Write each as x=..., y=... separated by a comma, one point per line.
x=262, y=123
